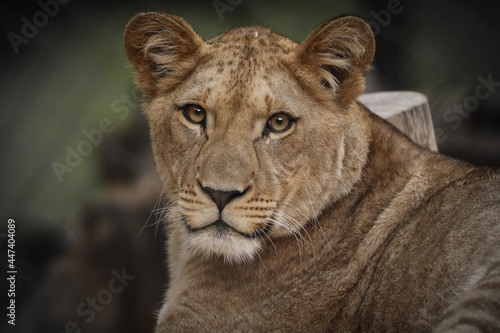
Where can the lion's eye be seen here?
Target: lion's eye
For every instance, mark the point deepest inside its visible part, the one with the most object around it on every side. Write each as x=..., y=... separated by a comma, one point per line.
x=194, y=113
x=280, y=122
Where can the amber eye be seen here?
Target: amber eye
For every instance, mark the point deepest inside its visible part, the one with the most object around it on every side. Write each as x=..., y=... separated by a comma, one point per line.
x=280, y=122
x=194, y=113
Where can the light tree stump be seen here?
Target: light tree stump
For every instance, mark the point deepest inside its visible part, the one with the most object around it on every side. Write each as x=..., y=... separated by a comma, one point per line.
x=408, y=111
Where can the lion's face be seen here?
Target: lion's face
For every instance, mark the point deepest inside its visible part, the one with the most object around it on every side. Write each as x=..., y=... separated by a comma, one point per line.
x=252, y=134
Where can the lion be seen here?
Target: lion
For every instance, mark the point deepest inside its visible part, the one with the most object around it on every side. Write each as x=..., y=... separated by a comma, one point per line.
x=291, y=206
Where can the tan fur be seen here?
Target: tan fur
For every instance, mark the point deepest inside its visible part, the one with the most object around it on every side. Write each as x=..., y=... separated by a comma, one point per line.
x=343, y=225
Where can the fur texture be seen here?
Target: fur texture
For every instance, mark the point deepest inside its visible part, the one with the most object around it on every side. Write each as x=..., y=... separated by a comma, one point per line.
x=338, y=223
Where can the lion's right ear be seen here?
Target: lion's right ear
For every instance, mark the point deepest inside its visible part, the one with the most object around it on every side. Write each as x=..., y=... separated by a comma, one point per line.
x=162, y=48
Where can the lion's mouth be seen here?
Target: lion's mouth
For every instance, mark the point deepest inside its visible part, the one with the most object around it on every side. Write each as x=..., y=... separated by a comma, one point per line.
x=221, y=228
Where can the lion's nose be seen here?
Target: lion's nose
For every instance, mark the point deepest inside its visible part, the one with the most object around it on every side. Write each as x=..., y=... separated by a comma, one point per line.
x=222, y=198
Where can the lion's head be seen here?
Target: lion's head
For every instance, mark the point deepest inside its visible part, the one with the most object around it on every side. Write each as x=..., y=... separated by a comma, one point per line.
x=253, y=134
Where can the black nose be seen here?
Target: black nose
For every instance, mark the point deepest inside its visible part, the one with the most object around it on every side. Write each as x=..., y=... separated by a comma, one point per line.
x=222, y=198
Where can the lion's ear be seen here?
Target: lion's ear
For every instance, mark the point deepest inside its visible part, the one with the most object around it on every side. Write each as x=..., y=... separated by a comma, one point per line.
x=338, y=52
x=162, y=48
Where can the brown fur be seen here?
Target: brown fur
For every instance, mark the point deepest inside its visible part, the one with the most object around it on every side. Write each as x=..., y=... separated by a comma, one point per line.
x=343, y=225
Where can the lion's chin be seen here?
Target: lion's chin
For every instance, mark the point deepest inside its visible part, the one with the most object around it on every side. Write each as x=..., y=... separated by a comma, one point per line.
x=213, y=243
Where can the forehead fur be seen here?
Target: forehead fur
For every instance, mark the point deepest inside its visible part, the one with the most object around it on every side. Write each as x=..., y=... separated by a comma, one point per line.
x=246, y=41
x=242, y=53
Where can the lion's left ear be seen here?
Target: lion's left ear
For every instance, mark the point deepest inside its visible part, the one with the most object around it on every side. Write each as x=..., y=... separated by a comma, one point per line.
x=337, y=53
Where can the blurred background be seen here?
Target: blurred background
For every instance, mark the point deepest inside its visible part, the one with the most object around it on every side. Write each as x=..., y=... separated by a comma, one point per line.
x=77, y=174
